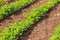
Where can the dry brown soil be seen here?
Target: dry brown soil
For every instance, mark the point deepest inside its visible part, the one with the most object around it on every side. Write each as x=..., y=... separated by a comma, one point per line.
x=43, y=29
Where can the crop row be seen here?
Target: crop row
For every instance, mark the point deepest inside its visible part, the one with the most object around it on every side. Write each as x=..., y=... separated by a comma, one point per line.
x=1, y=1
x=18, y=28
x=36, y=13
x=56, y=35
x=11, y=8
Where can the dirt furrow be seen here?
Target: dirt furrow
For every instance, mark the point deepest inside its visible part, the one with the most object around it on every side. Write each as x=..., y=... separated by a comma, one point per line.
x=44, y=28
x=20, y=14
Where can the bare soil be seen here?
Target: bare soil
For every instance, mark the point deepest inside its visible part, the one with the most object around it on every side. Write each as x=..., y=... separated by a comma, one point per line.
x=20, y=14
x=43, y=29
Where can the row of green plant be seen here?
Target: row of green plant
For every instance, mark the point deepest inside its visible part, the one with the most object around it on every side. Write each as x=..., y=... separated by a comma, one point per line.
x=56, y=35
x=36, y=13
x=18, y=28
x=6, y=10
x=1, y=1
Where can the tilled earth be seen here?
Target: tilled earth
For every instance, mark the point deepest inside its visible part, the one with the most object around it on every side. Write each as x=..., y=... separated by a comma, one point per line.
x=43, y=29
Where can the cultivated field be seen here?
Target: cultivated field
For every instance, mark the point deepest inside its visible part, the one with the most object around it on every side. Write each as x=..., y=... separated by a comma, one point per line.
x=29, y=19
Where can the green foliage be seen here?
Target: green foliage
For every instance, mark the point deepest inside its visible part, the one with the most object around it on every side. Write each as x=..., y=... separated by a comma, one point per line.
x=56, y=35
x=9, y=9
x=38, y=12
x=57, y=31
x=17, y=28
x=1, y=1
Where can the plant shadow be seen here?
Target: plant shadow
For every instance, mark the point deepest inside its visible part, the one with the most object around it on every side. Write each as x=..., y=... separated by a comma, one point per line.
x=28, y=32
